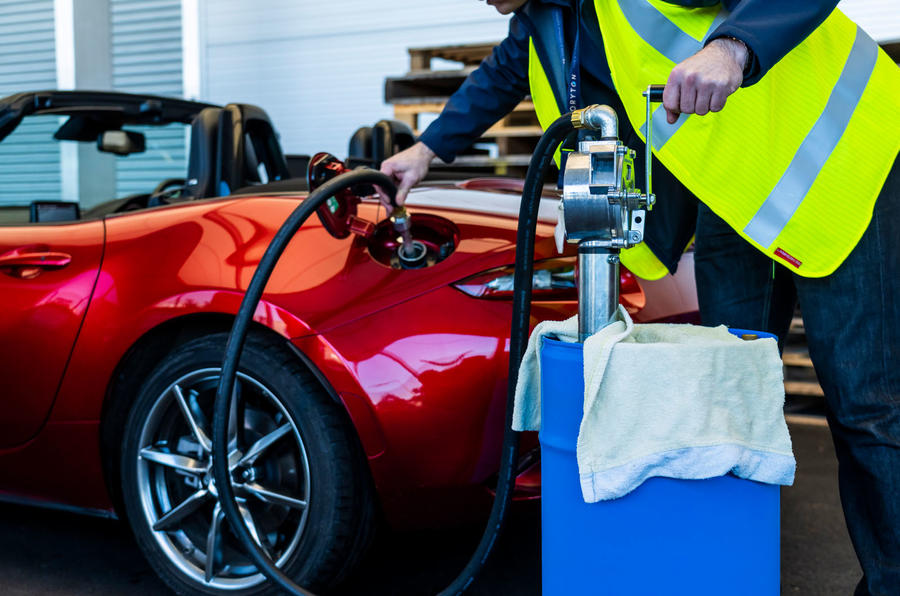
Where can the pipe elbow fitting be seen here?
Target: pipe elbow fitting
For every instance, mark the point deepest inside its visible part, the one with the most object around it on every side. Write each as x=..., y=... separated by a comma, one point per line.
x=597, y=117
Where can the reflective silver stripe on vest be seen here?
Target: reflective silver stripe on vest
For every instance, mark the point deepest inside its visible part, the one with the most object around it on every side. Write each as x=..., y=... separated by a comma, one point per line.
x=816, y=148
x=665, y=37
x=662, y=130
x=658, y=31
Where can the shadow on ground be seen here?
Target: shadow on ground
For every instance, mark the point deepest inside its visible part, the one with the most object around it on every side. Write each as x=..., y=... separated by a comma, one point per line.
x=56, y=553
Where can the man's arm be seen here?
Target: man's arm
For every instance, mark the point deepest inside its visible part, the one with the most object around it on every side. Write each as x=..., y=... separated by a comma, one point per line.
x=754, y=37
x=771, y=29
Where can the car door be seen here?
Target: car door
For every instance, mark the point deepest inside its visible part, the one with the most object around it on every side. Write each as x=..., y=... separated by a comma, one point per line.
x=47, y=275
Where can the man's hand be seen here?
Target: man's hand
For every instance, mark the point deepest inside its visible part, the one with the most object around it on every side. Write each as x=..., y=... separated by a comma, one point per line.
x=704, y=81
x=407, y=168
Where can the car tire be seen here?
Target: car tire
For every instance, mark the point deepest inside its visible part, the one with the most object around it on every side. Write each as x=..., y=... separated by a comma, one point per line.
x=307, y=488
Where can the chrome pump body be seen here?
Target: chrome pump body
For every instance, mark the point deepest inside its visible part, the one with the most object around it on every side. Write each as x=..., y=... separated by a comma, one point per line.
x=603, y=212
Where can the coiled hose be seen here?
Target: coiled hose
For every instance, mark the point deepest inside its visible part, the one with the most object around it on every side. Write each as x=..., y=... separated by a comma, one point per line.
x=528, y=214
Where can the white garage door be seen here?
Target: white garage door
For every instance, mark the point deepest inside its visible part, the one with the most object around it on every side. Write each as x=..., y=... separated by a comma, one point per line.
x=318, y=68
x=880, y=18
x=146, y=58
x=29, y=158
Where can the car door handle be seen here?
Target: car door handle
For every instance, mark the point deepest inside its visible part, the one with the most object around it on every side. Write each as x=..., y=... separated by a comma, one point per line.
x=28, y=262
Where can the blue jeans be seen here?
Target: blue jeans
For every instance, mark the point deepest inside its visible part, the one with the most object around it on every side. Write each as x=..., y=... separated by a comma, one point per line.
x=852, y=321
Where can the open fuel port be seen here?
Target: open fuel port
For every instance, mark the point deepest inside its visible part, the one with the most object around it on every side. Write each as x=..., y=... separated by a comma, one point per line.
x=433, y=240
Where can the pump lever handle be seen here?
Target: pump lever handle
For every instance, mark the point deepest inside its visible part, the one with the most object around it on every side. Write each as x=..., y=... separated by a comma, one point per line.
x=654, y=93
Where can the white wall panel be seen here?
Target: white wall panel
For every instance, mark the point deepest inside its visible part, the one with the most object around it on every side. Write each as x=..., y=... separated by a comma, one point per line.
x=290, y=19
x=880, y=18
x=29, y=158
x=318, y=68
x=146, y=58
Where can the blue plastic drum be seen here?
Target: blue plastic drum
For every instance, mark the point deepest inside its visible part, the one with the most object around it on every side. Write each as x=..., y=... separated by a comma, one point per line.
x=667, y=537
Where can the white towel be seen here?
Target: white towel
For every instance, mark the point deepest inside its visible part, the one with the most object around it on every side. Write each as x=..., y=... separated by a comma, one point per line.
x=679, y=401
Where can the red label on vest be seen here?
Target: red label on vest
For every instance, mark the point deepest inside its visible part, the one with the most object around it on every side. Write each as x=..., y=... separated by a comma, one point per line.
x=792, y=260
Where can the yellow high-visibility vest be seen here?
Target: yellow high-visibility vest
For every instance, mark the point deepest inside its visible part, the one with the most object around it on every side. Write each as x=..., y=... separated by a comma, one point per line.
x=793, y=163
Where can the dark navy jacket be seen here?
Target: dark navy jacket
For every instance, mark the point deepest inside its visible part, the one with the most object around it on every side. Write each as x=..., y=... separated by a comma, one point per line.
x=770, y=29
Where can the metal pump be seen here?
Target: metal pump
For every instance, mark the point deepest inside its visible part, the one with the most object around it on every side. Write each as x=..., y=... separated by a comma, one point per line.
x=602, y=210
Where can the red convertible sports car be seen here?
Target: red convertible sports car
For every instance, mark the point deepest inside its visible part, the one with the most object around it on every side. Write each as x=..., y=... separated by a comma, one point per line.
x=367, y=390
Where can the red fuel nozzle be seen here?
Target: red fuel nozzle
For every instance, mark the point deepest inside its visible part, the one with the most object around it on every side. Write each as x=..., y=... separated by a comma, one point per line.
x=338, y=214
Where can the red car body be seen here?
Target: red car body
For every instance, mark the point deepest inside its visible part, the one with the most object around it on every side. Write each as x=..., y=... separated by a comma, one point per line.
x=419, y=365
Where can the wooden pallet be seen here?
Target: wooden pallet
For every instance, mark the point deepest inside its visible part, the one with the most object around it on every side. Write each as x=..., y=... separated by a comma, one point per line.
x=521, y=122
x=470, y=54
x=423, y=91
x=799, y=375
x=515, y=136
x=423, y=82
x=424, y=86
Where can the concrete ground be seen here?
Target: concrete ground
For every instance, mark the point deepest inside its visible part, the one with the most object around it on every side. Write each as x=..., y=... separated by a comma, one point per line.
x=46, y=552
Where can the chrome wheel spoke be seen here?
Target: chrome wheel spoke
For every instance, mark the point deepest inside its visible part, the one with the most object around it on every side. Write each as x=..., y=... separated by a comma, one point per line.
x=233, y=422
x=251, y=526
x=273, y=497
x=264, y=443
x=186, y=508
x=173, y=460
x=212, y=539
x=201, y=437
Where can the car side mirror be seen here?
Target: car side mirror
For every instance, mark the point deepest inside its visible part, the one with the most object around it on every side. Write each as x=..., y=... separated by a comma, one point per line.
x=122, y=142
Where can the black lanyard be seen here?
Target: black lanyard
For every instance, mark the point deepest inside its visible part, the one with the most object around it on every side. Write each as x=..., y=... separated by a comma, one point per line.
x=572, y=97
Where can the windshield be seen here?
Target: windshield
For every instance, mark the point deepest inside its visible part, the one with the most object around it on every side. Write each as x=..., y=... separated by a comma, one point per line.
x=34, y=166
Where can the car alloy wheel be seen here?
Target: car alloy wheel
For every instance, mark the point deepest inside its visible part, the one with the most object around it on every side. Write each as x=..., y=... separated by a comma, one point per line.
x=295, y=463
x=269, y=467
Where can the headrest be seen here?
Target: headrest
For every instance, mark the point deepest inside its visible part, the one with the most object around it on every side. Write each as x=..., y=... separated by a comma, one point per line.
x=204, y=152
x=248, y=140
x=371, y=145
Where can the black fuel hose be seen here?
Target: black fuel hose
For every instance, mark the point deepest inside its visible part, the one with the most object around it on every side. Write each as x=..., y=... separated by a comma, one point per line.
x=518, y=341
x=235, y=345
x=522, y=286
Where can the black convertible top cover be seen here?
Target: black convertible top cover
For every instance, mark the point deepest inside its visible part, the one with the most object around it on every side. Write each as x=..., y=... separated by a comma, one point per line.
x=107, y=110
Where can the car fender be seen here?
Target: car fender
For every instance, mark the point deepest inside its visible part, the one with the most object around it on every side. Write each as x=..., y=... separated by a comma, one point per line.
x=110, y=332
